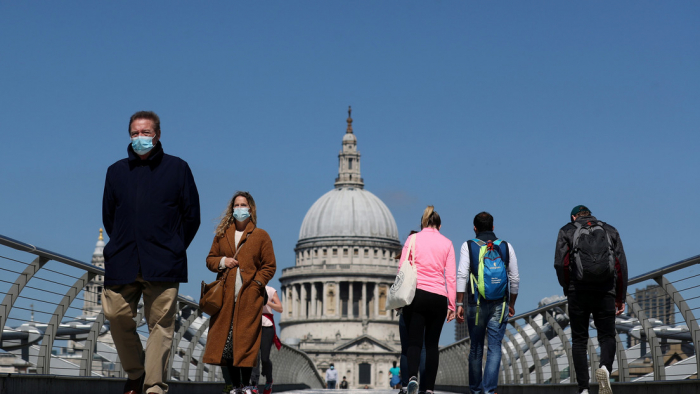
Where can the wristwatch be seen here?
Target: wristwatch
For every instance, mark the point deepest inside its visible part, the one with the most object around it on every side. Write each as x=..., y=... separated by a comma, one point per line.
x=459, y=304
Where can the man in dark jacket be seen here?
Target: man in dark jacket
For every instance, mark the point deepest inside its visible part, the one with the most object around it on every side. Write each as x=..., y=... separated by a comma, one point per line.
x=150, y=210
x=604, y=298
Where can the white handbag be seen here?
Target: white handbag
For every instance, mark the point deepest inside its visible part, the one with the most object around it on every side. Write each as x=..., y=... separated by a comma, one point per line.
x=404, y=288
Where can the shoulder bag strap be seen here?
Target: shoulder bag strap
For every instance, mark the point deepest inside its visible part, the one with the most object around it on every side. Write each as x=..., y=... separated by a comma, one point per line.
x=412, y=251
x=236, y=254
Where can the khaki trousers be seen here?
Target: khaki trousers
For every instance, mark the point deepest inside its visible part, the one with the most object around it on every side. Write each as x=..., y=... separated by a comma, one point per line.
x=120, y=305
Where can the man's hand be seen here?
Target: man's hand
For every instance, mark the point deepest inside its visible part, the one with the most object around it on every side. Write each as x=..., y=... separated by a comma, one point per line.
x=460, y=314
x=619, y=308
x=450, y=315
x=230, y=262
x=511, y=311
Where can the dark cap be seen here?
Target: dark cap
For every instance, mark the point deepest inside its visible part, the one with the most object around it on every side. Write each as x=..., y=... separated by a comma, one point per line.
x=578, y=209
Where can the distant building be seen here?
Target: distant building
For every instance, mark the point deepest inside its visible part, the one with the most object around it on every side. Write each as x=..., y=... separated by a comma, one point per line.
x=656, y=304
x=92, y=305
x=335, y=295
x=11, y=363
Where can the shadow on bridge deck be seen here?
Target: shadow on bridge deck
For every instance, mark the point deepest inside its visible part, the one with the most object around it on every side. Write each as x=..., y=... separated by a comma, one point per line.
x=29, y=383
x=56, y=384
x=652, y=387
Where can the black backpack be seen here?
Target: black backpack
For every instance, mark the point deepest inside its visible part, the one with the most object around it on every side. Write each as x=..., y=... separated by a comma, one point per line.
x=594, y=259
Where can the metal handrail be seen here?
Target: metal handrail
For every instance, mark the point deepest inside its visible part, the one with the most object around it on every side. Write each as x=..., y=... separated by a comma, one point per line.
x=303, y=364
x=657, y=275
x=49, y=255
x=633, y=281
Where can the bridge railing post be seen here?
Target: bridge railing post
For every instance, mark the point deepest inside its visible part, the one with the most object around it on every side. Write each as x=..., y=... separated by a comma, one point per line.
x=654, y=345
x=89, y=348
x=17, y=287
x=685, y=311
x=533, y=352
x=553, y=365
x=44, y=360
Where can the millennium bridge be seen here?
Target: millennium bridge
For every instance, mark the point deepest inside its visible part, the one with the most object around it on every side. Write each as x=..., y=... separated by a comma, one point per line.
x=56, y=353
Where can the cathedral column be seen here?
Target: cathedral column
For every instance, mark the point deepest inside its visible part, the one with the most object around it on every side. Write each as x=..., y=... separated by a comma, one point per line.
x=324, y=300
x=351, y=299
x=295, y=302
x=363, y=307
x=281, y=295
x=337, y=299
x=303, y=305
x=376, y=299
x=314, y=306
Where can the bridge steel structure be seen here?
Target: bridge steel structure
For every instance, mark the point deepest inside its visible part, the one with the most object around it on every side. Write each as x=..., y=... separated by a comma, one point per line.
x=54, y=281
x=536, y=350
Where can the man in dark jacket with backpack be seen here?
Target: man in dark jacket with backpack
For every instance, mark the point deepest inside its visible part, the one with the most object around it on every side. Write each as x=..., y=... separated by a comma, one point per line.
x=592, y=268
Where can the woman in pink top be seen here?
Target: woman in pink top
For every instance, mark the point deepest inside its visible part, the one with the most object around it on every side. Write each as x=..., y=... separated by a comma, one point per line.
x=434, y=300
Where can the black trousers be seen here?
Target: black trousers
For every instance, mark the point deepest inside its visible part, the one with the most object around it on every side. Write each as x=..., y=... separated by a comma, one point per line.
x=424, y=319
x=581, y=306
x=240, y=376
x=266, y=340
x=268, y=334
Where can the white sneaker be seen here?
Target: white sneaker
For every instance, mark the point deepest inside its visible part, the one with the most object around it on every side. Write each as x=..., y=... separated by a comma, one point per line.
x=412, y=385
x=603, y=377
x=585, y=391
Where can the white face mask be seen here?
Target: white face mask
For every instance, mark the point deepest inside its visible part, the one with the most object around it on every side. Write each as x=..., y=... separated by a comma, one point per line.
x=142, y=145
x=241, y=214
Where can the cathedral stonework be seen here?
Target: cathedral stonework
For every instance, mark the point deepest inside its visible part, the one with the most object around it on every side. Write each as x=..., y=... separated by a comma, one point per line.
x=93, y=291
x=335, y=295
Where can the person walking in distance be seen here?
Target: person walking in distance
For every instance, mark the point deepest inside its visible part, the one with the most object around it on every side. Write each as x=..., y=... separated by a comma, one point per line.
x=344, y=383
x=592, y=269
x=331, y=377
x=433, y=303
x=269, y=335
x=243, y=254
x=150, y=210
x=488, y=274
x=395, y=374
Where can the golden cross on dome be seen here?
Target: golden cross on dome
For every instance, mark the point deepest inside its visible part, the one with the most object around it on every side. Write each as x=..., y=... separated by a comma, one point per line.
x=349, y=130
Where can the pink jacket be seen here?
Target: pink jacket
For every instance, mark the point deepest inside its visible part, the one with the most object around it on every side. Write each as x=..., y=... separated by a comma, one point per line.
x=435, y=263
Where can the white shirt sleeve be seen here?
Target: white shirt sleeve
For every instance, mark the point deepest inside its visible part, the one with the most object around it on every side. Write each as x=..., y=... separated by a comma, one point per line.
x=513, y=274
x=463, y=270
x=222, y=265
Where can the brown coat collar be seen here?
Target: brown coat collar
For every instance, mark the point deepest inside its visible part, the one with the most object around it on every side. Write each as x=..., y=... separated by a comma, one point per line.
x=231, y=236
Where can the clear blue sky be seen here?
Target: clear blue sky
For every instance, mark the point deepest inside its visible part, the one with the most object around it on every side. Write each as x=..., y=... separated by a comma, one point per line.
x=521, y=109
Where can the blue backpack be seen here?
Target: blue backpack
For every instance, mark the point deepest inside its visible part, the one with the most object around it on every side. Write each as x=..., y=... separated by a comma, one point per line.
x=489, y=272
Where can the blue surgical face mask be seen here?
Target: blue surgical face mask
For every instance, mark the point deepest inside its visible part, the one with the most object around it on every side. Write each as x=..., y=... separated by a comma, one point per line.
x=241, y=214
x=142, y=145
x=332, y=367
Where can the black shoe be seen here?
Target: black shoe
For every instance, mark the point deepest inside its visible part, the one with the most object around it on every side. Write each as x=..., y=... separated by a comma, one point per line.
x=134, y=386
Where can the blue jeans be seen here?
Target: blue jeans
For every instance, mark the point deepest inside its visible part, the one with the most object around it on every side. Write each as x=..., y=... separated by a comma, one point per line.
x=488, y=324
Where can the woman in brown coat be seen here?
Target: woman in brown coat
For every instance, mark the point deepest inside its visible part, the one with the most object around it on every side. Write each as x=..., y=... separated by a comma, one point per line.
x=242, y=254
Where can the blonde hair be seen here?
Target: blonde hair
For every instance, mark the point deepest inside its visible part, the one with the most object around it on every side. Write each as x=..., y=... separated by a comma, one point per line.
x=430, y=218
x=227, y=217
